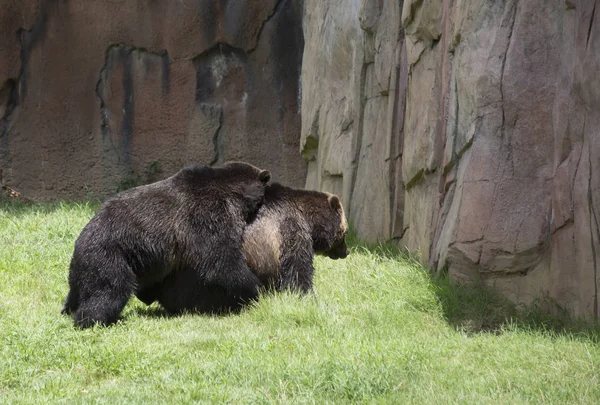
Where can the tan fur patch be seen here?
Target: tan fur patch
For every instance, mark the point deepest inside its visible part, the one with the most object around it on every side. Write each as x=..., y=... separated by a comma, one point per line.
x=262, y=243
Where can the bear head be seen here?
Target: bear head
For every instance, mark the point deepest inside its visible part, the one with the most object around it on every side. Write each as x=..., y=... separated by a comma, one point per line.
x=331, y=238
x=249, y=183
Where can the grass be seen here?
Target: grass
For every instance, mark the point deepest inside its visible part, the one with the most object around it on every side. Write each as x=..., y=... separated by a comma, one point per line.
x=379, y=329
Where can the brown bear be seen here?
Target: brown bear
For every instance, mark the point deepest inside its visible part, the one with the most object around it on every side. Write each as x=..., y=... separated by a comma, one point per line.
x=190, y=224
x=290, y=228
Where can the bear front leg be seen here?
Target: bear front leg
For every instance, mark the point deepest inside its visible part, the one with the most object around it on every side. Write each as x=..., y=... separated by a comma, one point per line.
x=296, y=274
x=296, y=258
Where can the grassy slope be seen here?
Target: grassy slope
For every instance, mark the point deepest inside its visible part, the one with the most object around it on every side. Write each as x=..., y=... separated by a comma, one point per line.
x=378, y=330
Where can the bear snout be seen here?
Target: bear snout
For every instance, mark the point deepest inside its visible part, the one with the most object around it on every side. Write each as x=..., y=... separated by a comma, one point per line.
x=344, y=253
x=340, y=252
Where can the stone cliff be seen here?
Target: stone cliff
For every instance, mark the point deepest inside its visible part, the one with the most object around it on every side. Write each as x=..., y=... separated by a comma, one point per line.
x=465, y=130
x=104, y=94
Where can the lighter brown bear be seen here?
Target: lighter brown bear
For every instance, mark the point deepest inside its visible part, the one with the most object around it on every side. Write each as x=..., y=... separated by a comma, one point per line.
x=290, y=228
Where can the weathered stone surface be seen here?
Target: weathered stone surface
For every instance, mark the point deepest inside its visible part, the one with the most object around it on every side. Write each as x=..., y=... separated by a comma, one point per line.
x=486, y=159
x=333, y=52
x=99, y=95
x=517, y=193
x=352, y=103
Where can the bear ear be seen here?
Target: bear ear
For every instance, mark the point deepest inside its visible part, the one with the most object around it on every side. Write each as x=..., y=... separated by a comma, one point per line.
x=264, y=176
x=334, y=202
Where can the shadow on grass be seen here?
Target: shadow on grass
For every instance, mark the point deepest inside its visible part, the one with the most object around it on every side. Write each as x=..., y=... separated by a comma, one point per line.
x=152, y=311
x=477, y=308
x=156, y=311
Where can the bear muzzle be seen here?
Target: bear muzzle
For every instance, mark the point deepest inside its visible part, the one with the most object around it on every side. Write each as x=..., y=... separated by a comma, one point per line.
x=339, y=252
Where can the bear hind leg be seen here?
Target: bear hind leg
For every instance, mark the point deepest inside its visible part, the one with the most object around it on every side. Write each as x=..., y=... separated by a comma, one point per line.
x=71, y=303
x=108, y=298
x=99, y=309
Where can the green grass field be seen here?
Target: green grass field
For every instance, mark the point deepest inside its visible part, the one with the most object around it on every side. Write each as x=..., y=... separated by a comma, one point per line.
x=379, y=329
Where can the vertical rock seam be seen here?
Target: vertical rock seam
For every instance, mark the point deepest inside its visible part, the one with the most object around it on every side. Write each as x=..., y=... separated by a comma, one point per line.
x=121, y=54
x=593, y=221
x=217, y=138
x=359, y=128
x=276, y=8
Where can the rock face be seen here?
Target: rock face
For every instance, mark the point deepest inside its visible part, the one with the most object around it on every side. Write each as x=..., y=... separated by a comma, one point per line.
x=468, y=131
x=101, y=95
x=353, y=79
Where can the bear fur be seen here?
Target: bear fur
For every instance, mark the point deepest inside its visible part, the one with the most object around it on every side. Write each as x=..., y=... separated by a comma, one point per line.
x=191, y=223
x=290, y=228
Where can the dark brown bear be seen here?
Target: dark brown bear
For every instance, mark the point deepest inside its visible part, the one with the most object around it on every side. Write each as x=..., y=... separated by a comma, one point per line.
x=191, y=223
x=290, y=227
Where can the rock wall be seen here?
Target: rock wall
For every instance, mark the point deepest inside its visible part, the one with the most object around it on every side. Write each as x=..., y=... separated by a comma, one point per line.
x=99, y=95
x=465, y=130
